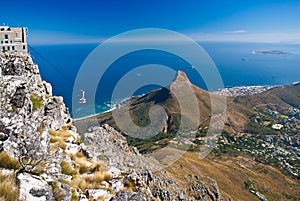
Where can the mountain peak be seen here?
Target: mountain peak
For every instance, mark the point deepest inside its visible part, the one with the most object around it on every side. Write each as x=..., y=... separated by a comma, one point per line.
x=180, y=80
x=181, y=76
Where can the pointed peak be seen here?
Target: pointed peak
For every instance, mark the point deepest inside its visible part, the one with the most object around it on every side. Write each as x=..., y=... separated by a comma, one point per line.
x=180, y=80
x=181, y=77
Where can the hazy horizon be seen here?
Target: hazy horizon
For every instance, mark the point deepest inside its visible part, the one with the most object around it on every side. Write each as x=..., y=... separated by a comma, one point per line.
x=69, y=22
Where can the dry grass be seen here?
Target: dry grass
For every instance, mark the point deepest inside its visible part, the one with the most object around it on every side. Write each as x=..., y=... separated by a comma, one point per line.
x=8, y=162
x=8, y=190
x=82, y=164
x=128, y=185
x=227, y=172
x=98, y=166
x=101, y=176
x=58, y=139
x=67, y=169
x=95, y=173
x=60, y=133
x=74, y=195
x=86, y=166
x=40, y=168
x=91, y=181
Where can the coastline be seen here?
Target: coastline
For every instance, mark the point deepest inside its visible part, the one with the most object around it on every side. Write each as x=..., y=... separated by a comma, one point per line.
x=244, y=90
x=228, y=92
x=92, y=115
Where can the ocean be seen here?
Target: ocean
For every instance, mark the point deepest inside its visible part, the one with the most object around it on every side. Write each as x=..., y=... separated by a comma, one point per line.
x=236, y=63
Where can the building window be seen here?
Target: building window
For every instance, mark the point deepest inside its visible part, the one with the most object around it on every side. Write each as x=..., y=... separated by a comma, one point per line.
x=8, y=48
x=13, y=47
x=10, y=41
x=5, y=36
x=23, y=47
x=3, y=48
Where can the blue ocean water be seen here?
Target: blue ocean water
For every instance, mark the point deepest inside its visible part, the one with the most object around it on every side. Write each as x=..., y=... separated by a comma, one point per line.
x=234, y=61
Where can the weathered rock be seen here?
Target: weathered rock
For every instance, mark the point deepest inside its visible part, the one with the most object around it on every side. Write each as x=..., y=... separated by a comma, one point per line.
x=98, y=193
x=128, y=196
x=105, y=143
x=33, y=188
x=18, y=98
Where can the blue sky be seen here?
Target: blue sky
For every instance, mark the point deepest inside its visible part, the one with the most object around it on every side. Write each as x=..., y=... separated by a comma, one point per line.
x=55, y=21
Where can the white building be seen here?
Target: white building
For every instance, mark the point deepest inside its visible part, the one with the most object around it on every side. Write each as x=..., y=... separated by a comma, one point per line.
x=13, y=39
x=277, y=126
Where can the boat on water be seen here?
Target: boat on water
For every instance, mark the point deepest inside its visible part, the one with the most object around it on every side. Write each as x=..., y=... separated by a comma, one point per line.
x=82, y=99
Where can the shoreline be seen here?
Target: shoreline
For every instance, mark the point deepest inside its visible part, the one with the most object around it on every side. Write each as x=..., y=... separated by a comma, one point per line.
x=92, y=115
x=227, y=91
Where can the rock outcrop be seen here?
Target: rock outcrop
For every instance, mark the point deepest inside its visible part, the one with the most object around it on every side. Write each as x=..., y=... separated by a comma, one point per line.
x=40, y=147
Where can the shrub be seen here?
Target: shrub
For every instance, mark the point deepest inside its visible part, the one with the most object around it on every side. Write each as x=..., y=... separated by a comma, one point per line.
x=37, y=102
x=8, y=162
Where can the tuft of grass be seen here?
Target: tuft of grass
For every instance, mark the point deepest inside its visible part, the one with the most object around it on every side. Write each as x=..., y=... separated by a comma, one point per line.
x=92, y=181
x=128, y=184
x=60, y=133
x=101, y=176
x=37, y=101
x=67, y=169
x=83, y=168
x=59, y=194
x=74, y=195
x=58, y=139
x=40, y=168
x=8, y=190
x=8, y=162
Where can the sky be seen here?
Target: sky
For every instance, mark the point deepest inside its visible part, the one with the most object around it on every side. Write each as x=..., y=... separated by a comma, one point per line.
x=90, y=21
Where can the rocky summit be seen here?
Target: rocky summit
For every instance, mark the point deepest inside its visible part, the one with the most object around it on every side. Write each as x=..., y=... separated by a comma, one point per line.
x=43, y=157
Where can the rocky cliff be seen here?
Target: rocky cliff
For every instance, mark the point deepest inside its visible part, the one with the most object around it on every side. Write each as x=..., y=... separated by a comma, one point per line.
x=42, y=157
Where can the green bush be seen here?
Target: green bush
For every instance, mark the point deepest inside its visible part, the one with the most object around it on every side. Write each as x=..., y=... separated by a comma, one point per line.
x=37, y=102
x=255, y=128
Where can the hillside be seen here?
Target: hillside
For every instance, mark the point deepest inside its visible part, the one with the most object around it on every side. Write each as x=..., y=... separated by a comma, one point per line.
x=276, y=98
x=249, y=151
x=193, y=97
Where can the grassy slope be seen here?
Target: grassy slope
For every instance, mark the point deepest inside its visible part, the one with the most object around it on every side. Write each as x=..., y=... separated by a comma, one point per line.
x=229, y=174
x=276, y=98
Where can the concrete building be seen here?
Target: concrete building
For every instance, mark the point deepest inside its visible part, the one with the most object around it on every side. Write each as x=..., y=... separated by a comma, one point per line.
x=13, y=39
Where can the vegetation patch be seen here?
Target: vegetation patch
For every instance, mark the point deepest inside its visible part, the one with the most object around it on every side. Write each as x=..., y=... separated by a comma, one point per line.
x=145, y=145
x=37, y=101
x=67, y=169
x=8, y=162
x=58, y=139
x=8, y=190
x=256, y=128
x=284, y=116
